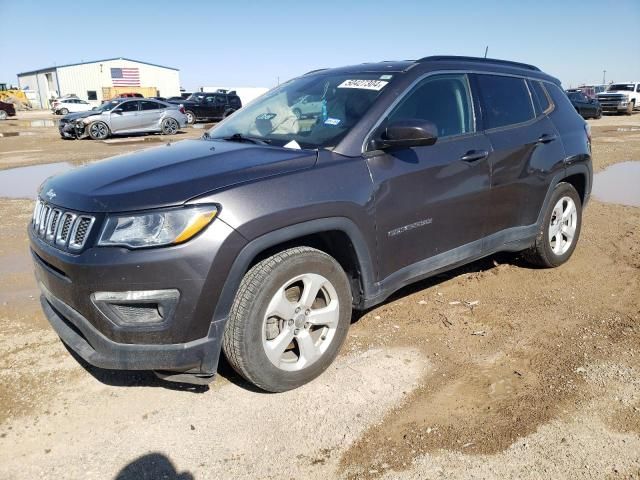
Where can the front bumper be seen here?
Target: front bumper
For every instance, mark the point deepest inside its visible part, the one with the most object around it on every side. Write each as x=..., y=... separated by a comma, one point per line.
x=70, y=130
x=77, y=333
x=189, y=339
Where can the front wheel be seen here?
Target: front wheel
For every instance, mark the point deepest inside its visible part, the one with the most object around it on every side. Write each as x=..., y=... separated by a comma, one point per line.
x=98, y=130
x=599, y=114
x=630, y=108
x=3, y=115
x=170, y=126
x=289, y=319
x=63, y=111
x=560, y=229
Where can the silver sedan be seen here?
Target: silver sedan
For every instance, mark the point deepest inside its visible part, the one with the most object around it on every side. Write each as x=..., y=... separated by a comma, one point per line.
x=124, y=116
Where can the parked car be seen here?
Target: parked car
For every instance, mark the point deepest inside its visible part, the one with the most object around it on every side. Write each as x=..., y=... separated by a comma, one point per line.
x=261, y=237
x=585, y=106
x=209, y=106
x=621, y=98
x=590, y=91
x=7, y=110
x=125, y=95
x=307, y=106
x=69, y=105
x=124, y=116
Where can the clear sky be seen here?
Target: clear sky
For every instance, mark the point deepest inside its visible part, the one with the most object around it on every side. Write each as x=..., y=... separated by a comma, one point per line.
x=245, y=43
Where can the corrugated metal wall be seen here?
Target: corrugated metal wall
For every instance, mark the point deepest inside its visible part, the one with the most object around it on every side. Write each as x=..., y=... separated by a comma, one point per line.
x=93, y=77
x=80, y=79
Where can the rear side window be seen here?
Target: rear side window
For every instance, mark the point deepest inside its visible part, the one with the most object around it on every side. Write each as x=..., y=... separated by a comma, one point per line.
x=505, y=100
x=444, y=100
x=540, y=98
x=146, y=105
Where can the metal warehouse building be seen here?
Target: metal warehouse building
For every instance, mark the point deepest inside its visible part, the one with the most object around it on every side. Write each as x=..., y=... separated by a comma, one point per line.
x=100, y=80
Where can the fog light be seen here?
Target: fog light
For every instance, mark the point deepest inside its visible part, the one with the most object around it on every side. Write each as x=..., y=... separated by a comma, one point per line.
x=145, y=308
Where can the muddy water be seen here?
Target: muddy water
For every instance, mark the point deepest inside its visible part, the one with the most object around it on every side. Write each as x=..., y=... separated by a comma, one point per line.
x=32, y=123
x=17, y=134
x=620, y=183
x=23, y=182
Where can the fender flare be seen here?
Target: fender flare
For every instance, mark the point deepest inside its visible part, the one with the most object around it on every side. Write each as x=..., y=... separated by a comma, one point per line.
x=270, y=239
x=568, y=171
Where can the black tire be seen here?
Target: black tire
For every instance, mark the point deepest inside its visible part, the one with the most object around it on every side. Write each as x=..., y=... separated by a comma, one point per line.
x=599, y=114
x=228, y=113
x=297, y=113
x=191, y=117
x=170, y=126
x=98, y=130
x=541, y=253
x=243, y=337
x=630, y=107
x=63, y=111
x=3, y=115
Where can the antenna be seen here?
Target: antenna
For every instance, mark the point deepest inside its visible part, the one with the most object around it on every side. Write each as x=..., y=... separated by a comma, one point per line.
x=486, y=50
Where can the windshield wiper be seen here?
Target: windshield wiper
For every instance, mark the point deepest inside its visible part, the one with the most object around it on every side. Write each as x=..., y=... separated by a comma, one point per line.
x=238, y=137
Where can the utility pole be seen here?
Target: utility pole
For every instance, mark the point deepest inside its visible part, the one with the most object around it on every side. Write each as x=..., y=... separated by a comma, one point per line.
x=604, y=76
x=486, y=50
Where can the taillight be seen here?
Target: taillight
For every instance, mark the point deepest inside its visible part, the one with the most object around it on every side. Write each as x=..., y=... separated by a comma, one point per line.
x=181, y=109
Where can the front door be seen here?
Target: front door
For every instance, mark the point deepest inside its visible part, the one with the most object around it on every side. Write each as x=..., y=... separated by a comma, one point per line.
x=431, y=201
x=125, y=116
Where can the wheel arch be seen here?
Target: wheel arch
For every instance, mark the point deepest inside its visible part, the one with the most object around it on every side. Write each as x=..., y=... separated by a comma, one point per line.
x=338, y=237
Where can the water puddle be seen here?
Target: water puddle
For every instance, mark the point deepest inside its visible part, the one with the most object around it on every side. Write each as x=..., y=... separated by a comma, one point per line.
x=620, y=183
x=23, y=182
x=17, y=134
x=32, y=123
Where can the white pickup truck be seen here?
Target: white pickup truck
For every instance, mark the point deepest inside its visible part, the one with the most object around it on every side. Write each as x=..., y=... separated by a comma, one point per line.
x=621, y=97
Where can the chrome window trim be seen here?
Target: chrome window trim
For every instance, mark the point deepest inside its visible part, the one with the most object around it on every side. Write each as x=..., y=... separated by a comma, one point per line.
x=467, y=72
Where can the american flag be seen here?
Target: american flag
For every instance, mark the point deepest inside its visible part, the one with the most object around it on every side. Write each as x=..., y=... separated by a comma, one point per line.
x=125, y=77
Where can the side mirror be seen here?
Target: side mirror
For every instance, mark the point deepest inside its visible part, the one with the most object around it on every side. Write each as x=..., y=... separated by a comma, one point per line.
x=118, y=111
x=407, y=133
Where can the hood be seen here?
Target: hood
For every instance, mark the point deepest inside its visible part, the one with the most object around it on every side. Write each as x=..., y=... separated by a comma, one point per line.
x=75, y=116
x=169, y=175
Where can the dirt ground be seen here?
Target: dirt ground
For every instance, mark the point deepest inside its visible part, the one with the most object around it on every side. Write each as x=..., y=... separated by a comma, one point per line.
x=494, y=370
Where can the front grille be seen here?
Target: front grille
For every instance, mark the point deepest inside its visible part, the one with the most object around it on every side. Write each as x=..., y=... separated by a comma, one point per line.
x=63, y=229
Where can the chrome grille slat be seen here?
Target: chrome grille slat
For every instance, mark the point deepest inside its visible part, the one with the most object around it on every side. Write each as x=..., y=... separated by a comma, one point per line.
x=63, y=229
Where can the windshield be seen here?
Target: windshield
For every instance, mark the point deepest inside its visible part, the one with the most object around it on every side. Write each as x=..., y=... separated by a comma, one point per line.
x=621, y=86
x=308, y=112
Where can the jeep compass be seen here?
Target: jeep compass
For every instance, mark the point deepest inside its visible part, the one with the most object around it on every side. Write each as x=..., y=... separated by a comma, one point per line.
x=259, y=239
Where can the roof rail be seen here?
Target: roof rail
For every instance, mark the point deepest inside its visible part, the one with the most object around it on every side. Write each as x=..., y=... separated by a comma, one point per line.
x=316, y=70
x=508, y=63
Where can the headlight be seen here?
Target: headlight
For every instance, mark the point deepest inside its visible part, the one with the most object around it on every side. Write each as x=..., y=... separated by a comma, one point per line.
x=153, y=229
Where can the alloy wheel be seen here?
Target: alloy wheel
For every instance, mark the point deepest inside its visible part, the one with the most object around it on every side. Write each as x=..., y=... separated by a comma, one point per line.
x=562, y=226
x=300, y=322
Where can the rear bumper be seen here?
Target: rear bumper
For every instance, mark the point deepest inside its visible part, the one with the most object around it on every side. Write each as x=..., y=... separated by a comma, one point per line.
x=196, y=357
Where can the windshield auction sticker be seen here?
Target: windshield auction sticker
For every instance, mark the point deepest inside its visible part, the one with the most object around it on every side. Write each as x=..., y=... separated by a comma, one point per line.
x=364, y=84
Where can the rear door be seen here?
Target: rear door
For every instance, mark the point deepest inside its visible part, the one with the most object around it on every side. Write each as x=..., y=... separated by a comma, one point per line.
x=433, y=199
x=525, y=151
x=125, y=116
x=150, y=114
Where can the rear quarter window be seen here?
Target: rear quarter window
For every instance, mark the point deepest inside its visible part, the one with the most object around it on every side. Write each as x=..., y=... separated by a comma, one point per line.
x=540, y=98
x=505, y=100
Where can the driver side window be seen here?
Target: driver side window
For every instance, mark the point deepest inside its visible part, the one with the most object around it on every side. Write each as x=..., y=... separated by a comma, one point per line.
x=444, y=100
x=129, y=107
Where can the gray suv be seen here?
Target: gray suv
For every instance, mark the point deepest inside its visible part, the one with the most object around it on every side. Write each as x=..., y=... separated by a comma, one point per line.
x=260, y=238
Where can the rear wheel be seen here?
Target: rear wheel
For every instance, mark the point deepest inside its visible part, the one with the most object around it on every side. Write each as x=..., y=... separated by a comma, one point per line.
x=560, y=229
x=289, y=319
x=170, y=126
x=63, y=111
x=191, y=117
x=98, y=130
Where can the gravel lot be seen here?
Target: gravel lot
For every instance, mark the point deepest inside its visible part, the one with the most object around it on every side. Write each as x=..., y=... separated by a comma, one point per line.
x=494, y=370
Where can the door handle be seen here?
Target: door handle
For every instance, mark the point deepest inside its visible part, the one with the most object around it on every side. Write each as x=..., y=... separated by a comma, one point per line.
x=474, y=155
x=546, y=138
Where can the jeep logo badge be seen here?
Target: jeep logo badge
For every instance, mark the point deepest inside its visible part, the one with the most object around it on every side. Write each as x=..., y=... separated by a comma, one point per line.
x=51, y=194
